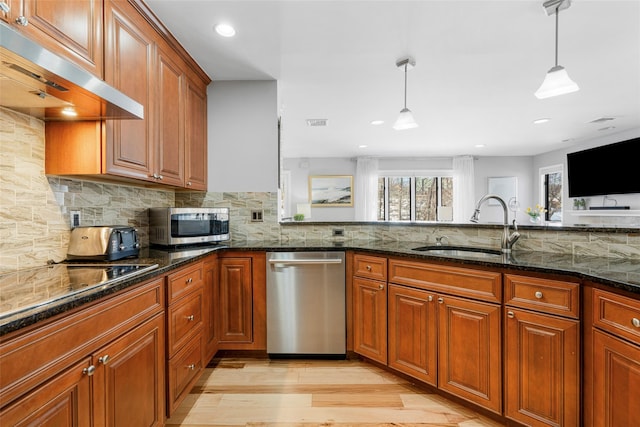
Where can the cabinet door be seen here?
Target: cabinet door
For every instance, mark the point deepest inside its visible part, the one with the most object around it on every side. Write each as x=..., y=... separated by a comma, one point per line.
x=236, y=300
x=469, y=351
x=616, y=381
x=370, y=319
x=170, y=120
x=412, y=325
x=211, y=303
x=129, y=378
x=542, y=369
x=129, y=66
x=196, y=137
x=63, y=401
x=72, y=29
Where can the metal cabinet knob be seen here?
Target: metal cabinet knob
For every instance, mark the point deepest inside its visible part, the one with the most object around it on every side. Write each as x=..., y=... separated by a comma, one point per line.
x=538, y=294
x=89, y=371
x=22, y=20
x=368, y=267
x=189, y=184
x=635, y=322
x=381, y=287
x=160, y=177
x=190, y=318
x=430, y=298
x=4, y=7
x=440, y=300
x=104, y=359
x=191, y=367
x=510, y=314
x=189, y=281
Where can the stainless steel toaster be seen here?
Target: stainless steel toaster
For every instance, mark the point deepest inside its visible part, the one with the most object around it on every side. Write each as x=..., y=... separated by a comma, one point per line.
x=107, y=243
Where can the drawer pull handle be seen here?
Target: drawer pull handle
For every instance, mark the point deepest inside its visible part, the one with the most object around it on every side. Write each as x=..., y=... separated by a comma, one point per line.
x=381, y=287
x=104, y=359
x=89, y=371
x=190, y=318
x=189, y=280
x=440, y=300
x=191, y=367
x=538, y=294
x=430, y=298
x=368, y=267
x=510, y=314
x=635, y=322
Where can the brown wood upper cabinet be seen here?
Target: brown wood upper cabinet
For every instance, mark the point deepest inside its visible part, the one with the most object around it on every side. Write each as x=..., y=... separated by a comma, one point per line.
x=168, y=146
x=72, y=29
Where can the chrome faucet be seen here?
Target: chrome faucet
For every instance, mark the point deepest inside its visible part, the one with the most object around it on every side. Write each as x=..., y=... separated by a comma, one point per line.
x=508, y=240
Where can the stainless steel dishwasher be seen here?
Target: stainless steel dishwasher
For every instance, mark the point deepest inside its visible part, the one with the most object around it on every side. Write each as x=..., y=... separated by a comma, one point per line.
x=306, y=304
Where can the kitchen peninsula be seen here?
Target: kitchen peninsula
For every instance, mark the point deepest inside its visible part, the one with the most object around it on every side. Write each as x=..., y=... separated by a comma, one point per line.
x=571, y=286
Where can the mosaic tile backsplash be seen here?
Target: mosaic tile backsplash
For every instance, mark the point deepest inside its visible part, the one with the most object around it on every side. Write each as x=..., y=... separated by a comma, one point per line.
x=35, y=212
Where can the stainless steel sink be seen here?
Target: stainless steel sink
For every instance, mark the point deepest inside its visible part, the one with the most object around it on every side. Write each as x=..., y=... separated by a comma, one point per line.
x=460, y=251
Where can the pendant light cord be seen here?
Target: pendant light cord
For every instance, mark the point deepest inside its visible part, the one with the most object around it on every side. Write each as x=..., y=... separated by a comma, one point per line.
x=557, y=14
x=405, y=86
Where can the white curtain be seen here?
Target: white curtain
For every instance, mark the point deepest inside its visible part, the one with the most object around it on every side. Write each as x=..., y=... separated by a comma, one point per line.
x=464, y=200
x=366, y=189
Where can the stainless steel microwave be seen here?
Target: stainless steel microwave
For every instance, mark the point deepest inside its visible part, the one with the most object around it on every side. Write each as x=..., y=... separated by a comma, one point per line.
x=188, y=226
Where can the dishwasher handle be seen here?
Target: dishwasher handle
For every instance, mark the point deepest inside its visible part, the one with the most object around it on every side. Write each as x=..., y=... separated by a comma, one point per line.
x=310, y=261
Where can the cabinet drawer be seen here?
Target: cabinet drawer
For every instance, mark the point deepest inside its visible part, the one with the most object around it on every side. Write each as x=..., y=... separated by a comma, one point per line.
x=184, y=371
x=185, y=321
x=478, y=284
x=184, y=281
x=371, y=267
x=549, y=296
x=617, y=314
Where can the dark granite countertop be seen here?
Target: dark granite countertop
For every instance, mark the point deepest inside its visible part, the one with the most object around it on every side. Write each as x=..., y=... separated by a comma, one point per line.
x=617, y=273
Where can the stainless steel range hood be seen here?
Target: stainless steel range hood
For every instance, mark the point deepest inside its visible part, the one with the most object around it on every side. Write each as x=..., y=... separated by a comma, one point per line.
x=35, y=81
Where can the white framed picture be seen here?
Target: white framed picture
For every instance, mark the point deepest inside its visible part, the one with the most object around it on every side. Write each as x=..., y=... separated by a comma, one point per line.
x=331, y=190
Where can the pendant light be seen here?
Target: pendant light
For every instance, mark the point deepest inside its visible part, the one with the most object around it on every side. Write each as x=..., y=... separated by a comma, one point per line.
x=405, y=119
x=557, y=81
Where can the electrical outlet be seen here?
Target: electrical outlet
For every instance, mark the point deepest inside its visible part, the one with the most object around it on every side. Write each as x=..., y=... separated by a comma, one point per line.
x=256, y=215
x=338, y=232
x=75, y=218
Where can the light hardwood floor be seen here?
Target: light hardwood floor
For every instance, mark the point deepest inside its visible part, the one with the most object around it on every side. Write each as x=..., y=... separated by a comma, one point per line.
x=262, y=392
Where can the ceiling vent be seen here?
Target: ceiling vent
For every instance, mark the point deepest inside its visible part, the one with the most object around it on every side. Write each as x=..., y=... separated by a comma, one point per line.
x=317, y=122
x=602, y=120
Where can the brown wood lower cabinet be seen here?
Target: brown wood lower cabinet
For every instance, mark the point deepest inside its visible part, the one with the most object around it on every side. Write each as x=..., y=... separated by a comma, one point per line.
x=63, y=401
x=370, y=319
x=542, y=371
x=129, y=378
x=616, y=381
x=242, y=298
x=100, y=365
x=413, y=340
x=469, y=350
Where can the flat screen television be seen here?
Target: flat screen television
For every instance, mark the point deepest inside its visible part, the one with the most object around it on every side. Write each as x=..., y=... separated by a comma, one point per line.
x=609, y=169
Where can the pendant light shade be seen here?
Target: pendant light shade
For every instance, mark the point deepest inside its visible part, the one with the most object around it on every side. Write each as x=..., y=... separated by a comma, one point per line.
x=557, y=81
x=405, y=119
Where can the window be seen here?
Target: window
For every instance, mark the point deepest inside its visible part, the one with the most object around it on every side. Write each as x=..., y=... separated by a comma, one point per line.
x=551, y=191
x=418, y=198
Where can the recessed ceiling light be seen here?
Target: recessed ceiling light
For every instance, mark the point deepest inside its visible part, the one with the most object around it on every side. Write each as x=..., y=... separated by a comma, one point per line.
x=479, y=145
x=377, y=122
x=542, y=120
x=362, y=146
x=225, y=30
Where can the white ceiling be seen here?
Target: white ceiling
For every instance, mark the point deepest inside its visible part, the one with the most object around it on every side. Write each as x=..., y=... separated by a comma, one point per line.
x=478, y=64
